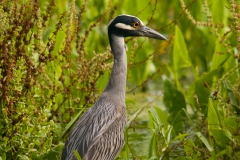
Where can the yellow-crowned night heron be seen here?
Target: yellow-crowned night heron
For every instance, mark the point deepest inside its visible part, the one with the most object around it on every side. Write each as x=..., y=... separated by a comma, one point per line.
x=99, y=133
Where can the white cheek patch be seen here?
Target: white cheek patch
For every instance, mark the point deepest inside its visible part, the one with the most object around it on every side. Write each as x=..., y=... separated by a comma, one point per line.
x=124, y=26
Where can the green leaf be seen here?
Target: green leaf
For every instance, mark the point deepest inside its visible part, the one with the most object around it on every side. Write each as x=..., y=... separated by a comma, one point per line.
x=169, y=132
x=198, y=93
x=230, y=94
x=102, y=81
x=58, y=72
x=219, y=56
x=152, y=154
x=205, y=141
x=190, y=150
x=53, y=153
x=173, y=99
x=180, y=137
x=59, y=40
x=218, y=10
x=229, y=65
x=181, y=57
x=228, y=151
x=3, y=157
x=231, y=123
x=77, y=155
x=22, y=157
x=155, y=119
x=221, y=136
x=213, y=121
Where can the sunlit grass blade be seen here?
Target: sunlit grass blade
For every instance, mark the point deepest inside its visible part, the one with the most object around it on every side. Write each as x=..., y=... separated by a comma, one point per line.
x=205, y=141
x=77, y=155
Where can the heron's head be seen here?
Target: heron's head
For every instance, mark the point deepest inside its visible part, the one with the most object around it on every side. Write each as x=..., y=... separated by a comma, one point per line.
x=126, y=25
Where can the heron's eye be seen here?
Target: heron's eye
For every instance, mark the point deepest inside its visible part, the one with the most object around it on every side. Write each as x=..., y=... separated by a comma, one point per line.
x=136, y=24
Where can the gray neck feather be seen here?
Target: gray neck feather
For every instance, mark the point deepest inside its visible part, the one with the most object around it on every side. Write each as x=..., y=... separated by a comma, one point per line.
x=115, y=89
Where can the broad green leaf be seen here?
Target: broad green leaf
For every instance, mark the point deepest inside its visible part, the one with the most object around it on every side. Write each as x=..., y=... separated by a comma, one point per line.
x=23, y=157
x=58, y=72
x=153, y=148
x=228, y=151
x=59, y=40
x=231, y=123
x=219, y=56
x=173, y=99
x=158, y=121
x=53, y=153
x=3, y=157
x=58, y=99
x=160, y=114
x=218, y=10
x=103, y=80
x=198, y=93
x=34, y=155
x=136, y=141
x=181, y=57
x=221, y=136
x=213, y=121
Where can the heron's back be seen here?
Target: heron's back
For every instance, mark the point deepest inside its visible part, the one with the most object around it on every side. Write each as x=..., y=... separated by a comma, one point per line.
x=98, y=134
x=110, y=143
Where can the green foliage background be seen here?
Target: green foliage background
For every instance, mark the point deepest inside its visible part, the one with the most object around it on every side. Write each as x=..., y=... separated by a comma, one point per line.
x=55, y=60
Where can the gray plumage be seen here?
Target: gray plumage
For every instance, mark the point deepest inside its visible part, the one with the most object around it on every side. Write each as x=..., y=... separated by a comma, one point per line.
x=99, y=133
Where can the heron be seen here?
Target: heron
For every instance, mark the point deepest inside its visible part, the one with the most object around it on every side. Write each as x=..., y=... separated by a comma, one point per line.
x=99, y=132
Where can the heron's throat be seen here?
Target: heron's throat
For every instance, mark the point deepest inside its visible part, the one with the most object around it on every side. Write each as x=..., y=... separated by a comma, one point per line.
x=117, y=82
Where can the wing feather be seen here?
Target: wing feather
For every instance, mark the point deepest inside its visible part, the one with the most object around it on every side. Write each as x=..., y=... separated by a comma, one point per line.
x=90, y=128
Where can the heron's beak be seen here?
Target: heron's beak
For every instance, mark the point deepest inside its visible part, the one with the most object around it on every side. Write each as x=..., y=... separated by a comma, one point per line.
x=149, y=32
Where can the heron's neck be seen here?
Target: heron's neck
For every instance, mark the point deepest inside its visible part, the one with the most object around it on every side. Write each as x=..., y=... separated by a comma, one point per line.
x=117, y=83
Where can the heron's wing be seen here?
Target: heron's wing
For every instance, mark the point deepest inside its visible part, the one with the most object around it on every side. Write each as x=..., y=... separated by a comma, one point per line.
x=103, y=121
x=91, y=126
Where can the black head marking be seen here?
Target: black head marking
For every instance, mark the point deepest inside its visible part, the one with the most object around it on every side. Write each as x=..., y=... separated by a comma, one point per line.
x=125, y=25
